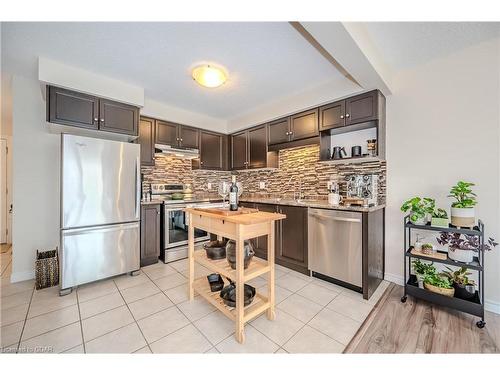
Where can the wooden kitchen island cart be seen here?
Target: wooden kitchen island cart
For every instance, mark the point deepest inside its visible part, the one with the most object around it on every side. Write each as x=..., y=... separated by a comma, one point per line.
x=239, y=228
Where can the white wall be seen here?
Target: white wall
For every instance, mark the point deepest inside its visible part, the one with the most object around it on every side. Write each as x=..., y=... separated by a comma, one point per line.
x=293, y=102
x=164, y=111
x=35, y=221
x=443, y=126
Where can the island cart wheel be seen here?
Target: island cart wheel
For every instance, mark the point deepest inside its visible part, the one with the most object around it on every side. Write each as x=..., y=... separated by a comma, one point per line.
x=403, y=299
x=481, y=324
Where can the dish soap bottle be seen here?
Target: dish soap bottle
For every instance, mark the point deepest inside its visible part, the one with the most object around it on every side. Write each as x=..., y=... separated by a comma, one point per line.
x=233, y=194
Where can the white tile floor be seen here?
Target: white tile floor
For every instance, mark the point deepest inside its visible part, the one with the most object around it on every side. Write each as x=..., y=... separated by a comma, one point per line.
x=151, y=313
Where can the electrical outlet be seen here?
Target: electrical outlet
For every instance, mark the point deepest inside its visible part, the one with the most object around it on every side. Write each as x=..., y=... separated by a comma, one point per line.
x=328, y=185
x=209, y=186
x=262, y=185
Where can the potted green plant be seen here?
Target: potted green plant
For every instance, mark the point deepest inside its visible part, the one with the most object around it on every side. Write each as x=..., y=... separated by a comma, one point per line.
x=438, y=284
x=420, y=209
x=421, y=269
x=465, y=288
x=461, y=247
x=427, y=248
x=462, y=210
x=440, y=218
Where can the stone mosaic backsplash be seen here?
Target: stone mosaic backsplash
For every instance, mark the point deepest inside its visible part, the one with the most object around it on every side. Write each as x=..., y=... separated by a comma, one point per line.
x=297, y=166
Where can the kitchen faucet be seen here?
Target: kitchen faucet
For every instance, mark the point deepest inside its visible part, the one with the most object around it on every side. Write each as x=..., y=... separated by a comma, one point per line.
x=295, y=192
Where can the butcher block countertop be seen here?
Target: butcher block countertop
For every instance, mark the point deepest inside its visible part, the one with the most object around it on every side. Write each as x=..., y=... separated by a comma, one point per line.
x=243, y=219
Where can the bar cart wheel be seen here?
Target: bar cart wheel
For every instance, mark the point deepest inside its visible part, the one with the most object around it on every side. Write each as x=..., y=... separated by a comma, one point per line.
x=403, y=300
x=481, y=324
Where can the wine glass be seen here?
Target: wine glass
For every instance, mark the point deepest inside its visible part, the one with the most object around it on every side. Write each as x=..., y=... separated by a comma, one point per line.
x=223, y=190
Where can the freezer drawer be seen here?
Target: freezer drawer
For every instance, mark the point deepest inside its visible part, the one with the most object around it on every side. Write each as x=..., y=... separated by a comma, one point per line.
x=94, y=253
x=335, y=244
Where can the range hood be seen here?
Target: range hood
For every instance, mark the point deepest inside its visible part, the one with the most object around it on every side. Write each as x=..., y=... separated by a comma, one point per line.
x=183, y=153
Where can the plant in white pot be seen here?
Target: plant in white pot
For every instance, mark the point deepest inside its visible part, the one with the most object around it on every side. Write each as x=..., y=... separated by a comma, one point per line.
x=461, y=247
x=462, y=210
x=420, y=209
x=422, y=269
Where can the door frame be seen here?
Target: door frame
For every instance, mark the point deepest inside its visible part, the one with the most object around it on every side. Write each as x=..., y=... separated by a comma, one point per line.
x=3, y=191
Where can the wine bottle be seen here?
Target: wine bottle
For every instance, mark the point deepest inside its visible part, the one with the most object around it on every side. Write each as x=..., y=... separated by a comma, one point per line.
x=233, y=194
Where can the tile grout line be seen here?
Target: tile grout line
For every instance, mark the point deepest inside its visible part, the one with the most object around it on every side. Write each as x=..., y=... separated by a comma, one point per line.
x=80, y=321
x=133, y=317
x=25, y=319
x=189, y=320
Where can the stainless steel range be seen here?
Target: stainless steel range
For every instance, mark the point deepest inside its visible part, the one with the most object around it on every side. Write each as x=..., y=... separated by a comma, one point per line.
x=174, y=220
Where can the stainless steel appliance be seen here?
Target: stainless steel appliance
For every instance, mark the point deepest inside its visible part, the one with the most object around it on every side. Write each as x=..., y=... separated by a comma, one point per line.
x=178, y=152
x=335, y=246
x=100, y=209
x=174, y=221
x=364, y=187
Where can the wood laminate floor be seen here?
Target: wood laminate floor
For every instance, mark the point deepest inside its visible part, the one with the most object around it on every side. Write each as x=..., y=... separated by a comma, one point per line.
x=419, y=327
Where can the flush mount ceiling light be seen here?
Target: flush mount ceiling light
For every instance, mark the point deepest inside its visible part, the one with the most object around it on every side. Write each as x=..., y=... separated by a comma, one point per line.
x=209, y=76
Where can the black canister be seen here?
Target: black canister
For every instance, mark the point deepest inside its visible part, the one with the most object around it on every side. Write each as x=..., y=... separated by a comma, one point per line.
x=355, y=151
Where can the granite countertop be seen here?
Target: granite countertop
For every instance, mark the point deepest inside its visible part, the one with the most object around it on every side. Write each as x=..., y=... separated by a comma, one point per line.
x=313, y=203
x=146, y=203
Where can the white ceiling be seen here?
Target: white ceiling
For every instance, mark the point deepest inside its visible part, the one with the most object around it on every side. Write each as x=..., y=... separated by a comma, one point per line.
x=265, y=61
x=407, y=44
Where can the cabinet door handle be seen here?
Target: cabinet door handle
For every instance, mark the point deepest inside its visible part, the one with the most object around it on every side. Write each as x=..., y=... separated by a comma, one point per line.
x=180, y=139
x=347, y=115
x=341, y=116
x=96, y=119
x=201, y=162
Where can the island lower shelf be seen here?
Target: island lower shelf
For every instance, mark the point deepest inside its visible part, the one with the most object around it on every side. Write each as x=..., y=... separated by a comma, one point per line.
x=257, y=266
x=259, y=304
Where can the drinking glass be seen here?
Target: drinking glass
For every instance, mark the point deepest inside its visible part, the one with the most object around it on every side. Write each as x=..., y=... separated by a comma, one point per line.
x=223, y=190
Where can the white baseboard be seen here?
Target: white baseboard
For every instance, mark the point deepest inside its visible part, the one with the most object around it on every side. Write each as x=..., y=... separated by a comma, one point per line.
x=396, y=279
x=22, y=276
x=492, y=306
x=489, y=305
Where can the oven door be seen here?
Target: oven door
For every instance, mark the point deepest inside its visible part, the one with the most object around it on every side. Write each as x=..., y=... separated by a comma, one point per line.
x=175, y=229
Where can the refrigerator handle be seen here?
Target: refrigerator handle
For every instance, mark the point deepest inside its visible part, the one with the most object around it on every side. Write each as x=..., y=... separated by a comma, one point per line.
x=137, y=187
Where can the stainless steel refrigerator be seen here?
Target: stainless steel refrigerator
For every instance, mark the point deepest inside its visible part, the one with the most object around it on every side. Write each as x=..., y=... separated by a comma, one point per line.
x=100, y=209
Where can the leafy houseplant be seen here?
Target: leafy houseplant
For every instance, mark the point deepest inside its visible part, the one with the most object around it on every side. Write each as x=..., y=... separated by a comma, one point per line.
x=427, y=248
x=461, y=247
x=419, y=209
x=462, y=210
x=438, y=284
x=440, y=218
x=464, y=287
x=421, y=270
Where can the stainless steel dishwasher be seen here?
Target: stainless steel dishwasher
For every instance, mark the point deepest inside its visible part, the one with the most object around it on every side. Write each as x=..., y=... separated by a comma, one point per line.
x=335, y=245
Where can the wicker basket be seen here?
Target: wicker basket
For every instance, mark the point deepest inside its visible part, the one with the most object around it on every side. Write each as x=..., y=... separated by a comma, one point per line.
x=46, y=269
x=438, y=290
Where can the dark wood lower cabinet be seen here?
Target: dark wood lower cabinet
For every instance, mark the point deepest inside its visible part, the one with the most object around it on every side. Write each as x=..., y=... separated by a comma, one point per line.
x=291, y=251
x=290, y=236
x=150, y=234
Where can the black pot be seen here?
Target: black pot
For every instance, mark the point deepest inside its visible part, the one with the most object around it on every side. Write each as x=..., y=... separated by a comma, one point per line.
x=215, y=249
x=462, y=292
x=231, y=253
x=228, y=294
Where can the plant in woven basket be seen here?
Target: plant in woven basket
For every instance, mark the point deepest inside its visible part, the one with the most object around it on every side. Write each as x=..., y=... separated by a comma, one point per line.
x=437, y=280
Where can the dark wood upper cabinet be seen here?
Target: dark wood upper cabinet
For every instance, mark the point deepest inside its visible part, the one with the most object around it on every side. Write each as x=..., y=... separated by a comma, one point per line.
x=147, y=140
x=166, y=133
x=292, y=249
x=118, y=117
x=304, y=125
x=188, y=137
x=150, y=234
x=332, y=115
x=72, y=108
x=279, y=131
x=257, y=144
x=239, y=150
x=211, y=151
x=362, y=108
